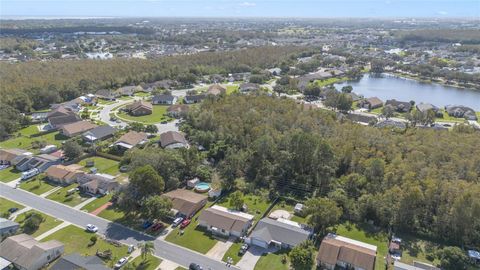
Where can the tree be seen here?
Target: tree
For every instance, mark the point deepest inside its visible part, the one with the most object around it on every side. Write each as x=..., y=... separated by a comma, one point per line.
x=388, y=111
x=236, y=200
x=32, y=222
x=151, y=129
x=156, y=207
x=347, y=89
x=322, y=213
x=136, y=126
x=145, y=182
x=452, y=258
x=72, y=149
x=146, y=248
x=339, y=101
x=301, y=256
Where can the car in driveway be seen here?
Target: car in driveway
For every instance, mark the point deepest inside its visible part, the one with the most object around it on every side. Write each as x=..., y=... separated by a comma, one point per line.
x=157, y=226
x=195, y=266
x=147, y=224
x=91, y=228
x=243, y=249
x=177, y=221
x=185, y=223
x=121, y=262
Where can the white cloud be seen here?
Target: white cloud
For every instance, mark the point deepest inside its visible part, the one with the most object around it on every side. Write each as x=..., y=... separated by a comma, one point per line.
x=248, y=4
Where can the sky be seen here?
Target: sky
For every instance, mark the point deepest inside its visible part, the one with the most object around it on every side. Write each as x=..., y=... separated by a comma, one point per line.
x=241, y=8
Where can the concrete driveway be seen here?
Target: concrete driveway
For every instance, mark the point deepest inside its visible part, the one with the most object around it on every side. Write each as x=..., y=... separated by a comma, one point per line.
x=251, y=257
x=220, y=248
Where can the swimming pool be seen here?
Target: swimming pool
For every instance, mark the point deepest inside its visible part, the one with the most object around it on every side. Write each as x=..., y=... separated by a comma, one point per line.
x=202, y=187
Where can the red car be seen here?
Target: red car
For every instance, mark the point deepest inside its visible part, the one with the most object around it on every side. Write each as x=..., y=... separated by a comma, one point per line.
x=185, y=223
x=156, y=227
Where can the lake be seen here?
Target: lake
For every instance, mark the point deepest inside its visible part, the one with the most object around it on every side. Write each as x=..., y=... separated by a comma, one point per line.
x=386, y=86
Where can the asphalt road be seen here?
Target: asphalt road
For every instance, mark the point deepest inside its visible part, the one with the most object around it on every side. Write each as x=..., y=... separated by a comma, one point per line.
x=111, y=230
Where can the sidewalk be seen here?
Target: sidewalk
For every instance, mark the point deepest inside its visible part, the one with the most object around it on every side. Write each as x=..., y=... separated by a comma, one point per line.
x=50, y=192
x=19, y=212
x=47, y=233
x=82, y=204
x=13, y=183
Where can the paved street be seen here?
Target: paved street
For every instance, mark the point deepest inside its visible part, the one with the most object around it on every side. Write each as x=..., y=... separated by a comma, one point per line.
x=112, y=230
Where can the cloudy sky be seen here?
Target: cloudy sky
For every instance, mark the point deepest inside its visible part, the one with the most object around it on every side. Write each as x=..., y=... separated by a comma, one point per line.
x=240, y=8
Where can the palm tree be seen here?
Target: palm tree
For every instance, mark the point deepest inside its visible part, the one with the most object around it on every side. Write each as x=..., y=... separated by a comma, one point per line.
x=146, y=248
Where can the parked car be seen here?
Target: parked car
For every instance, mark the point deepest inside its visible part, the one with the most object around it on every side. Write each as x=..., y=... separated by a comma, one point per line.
x=177, y=221
x=243, y=249
x=91, y=228
x=146, y=224
x=195, y=266
x=185, y=223
x=13, y=210
x=157, y=226
x=121, y=262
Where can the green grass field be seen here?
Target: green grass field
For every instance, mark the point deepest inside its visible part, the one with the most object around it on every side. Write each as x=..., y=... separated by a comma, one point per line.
x=23, y=139
x=36, y=185
x=232, y=252
x=322, y=83
x=158, y=115
x=62, y=196
x=78, y=240
x=6, y=204
x=103, y=165
x=151, y=263
x=232, y=89
x=273, y=261
x=47, y=224
x=112, y=213
x=256, y=205
x=97, y=203
x=9, y=174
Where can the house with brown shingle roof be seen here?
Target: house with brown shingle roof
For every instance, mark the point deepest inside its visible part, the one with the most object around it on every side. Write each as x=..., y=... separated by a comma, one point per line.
x=130, y=139
x=216, y=90
x=178, y=110
x=185, y=202
x=139, y=107
x=346, y=253
x=64, y=174
x=13, y=156
x=371, y=103
x=225, y=222
x=76, y=128
x=173, y=140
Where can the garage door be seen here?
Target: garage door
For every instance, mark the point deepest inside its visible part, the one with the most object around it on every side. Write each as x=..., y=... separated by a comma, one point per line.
x=258, y=242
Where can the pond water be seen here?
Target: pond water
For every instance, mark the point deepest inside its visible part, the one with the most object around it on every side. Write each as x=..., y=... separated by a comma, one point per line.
x=385, y=86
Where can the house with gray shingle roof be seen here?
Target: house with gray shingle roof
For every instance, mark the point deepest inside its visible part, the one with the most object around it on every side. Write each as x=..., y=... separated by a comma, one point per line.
x=281, y=233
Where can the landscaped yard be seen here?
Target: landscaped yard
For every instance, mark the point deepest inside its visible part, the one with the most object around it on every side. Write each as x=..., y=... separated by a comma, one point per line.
x=97, y=203
x=23, y=139
x=103, y=165
x=9, y=174
x=158, y=115
x=62, y=196
x=366, y=233
x=273, y=261
x=256, y=205
x=47, y=224
x=151, y=262
x=78, y=240
x=36, y=185
x=6, y=204
x=232, y=252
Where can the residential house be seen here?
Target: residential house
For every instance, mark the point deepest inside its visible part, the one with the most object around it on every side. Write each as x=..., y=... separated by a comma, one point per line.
x=354, y=96
x=99, y=133
x=281, y=233
x=424, y=107
x=99, y=183
x=127, y=90
x=76, y=261
x=225, y=222
x=389, y=123
x=131, y=139
x=164, y=99
x=460, y=111
x=216, y=89
x=178, y=110
x=371, y=103
x=76, y=128
x=248, y=87
x=107, y=94
x=13, y=156
x=194, y=98
x=173, y=140
x=42, y=162
x=61, y=116
x=346, y=253
x=39, y=117
x=186, y=203
x=275, y=71
x=64, y=175
x=8, y=227
x=399, y=106
x=26, y=253
x=416, y=266
x=139, y=108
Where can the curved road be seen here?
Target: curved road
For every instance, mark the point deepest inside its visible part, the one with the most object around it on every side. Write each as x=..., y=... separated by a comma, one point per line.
x=115, y=231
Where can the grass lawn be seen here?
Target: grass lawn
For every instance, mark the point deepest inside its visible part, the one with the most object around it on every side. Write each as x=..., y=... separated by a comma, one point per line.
x=23, y=139
x=158, y=115
x=232, y=252
x=272, y=261
x=142, y=94
x=97, y=203
x=36, y=185
x=322, y=83
x=61, y=196
x=290, y=208
x=78, y=240
x=449, y=118
x=232, y=89
x=180, y=268
x=47, y=224
x=194, y=237
x=6, y=204
x=151, y=263
x=112, y=213
x=103, y=165
x=104, y=102
x=366, y=233
x=125, y=98
x=9, y=174
x=256, y=204
x=377, y=110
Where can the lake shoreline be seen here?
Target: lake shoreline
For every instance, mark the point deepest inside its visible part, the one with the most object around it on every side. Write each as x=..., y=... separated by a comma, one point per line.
x=416, y=78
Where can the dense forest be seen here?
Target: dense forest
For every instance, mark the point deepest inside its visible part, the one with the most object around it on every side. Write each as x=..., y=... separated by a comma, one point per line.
x=419, y=181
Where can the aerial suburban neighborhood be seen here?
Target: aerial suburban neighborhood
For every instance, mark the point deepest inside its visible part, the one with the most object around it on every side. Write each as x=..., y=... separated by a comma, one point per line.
x=167, y=141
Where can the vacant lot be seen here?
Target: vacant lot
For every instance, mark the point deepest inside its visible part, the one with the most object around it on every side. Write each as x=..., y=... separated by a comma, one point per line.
x=72, y=199
x=103, y=165
x=158, y=115
x=9, y=174
x=47, y=224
